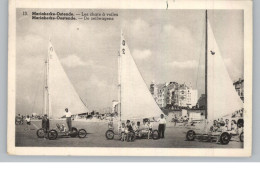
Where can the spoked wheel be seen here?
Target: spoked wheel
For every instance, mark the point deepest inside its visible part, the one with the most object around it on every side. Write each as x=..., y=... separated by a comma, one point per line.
x=224, y=138
x=82, y=133
x=241, y=137
x=110, y=134
x=52, y=135
x=155, y=135
x=131, y=136
x=40, y=133
x=190, y=136
x=73, y=132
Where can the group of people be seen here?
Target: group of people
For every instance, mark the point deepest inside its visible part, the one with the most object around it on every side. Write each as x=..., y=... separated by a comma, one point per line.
x=125, y=128
x=46, y=122
x=224, y=125
x=182, y=119
x=20, y=118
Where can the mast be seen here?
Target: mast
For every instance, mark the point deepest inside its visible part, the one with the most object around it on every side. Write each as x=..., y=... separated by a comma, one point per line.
x=206, y=65
x=119, y=85
x=46, y=86
x=46, y=93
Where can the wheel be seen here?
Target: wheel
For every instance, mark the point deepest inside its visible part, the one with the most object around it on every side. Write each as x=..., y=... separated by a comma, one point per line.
x=40, y=133
x=82, y=133
x=155, y=135
x=52, y=134
x=224, y=138
x=110, y=134
x=190, y=136
x=241, y=137
x=73, y=132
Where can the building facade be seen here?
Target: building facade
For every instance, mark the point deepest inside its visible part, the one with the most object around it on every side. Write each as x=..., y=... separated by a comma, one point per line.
x=187, y=97
x=173, y=94
x=201, y=102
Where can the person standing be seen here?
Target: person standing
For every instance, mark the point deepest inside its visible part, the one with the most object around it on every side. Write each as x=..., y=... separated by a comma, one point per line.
x=45, y=124
x=175, y=119
x=162, y=126
x=28, y=122
x=68, y=118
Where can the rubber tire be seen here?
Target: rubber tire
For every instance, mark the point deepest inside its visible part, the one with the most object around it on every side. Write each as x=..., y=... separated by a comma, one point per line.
x=74, y=132
x=82, y=133
x=39, y=133
x=241, y=137
x=224, y=138
x=155, y=135
x=190, y=135
x=52, y=134
x=108, y=133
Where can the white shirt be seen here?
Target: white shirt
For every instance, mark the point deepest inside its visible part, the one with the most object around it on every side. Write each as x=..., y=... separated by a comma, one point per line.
x=162, y=121
x=150, y=125
x=68, y=114
x=28, y=119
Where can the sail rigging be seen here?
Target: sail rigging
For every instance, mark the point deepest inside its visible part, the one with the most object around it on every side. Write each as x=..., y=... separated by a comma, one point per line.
x=60, y=92
x=222, y=98
x=136, y=101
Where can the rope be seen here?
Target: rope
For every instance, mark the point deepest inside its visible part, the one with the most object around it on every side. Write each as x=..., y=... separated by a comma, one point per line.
x=201, y=43
x=36, y=91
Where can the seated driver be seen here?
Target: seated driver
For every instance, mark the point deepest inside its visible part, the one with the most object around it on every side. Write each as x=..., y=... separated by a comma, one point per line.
x=110, y=123
x=234, y=127
x=63, y=128
x=146, y=128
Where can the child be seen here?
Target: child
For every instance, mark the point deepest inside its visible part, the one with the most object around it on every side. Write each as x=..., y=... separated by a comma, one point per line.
x=234, y=127
x=123, y=132
x=138, y=129
x=228, y=125
x=110, y=124
x=133, y=125
x=28, y=122
x=150, y=128
x=63, y=128
x=215, y=126
x=146, y=128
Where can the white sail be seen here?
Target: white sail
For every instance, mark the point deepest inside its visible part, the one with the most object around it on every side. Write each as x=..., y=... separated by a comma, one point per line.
x=136, y=99
x=61, y=92
x=222, y=98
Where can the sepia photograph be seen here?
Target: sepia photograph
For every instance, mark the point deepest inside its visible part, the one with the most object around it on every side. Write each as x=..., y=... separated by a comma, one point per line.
x=130, y=80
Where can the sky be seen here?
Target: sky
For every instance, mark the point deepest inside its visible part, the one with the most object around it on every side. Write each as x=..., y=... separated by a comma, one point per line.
x=167, y=45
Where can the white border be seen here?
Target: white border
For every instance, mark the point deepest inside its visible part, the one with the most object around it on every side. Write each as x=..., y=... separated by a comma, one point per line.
x=133, y=4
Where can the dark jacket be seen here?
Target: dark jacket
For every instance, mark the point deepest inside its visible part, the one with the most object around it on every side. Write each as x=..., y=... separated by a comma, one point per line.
x=45, y=123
